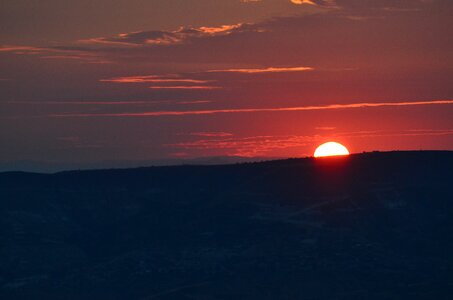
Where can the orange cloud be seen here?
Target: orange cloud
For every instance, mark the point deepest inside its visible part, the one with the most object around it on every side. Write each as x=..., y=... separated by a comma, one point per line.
x=322, y=3
x=163, y=37
x=303, y=2
x=9, y=48
x=221, y=29
x=152, y=79
x=175, y=79
x=265, y=70
x=184, y=87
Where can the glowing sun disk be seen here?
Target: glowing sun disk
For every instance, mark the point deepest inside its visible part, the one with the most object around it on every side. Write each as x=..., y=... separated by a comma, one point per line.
x=331, y=149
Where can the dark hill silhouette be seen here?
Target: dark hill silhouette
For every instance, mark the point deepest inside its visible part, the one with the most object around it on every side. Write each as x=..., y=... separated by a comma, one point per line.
x=367, y=226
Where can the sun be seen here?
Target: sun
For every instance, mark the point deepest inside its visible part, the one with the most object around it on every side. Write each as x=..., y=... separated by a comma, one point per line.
x=331, y=149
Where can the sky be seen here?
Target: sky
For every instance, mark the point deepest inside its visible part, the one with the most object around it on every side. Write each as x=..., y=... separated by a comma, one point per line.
x=90, y=81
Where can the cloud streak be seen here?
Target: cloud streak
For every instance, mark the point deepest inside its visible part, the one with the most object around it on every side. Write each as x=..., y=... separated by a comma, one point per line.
x=163, y=38
x=179, y=83
x=303, y=2
x=260, y=110
x=183, y=82
x=322, y=3
x=184, y=87
x=211, y=134
x=153, y=79
x=83, y=55
x=264, y=70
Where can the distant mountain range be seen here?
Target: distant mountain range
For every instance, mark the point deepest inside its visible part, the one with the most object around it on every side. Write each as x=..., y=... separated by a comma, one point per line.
x=367, y=226
x=58, y=166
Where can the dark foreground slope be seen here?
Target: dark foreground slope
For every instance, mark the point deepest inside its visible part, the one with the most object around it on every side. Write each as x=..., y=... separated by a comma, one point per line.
x=370, y=226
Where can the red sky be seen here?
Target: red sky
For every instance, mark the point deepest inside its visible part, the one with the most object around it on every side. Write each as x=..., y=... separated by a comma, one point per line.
x=91, y=81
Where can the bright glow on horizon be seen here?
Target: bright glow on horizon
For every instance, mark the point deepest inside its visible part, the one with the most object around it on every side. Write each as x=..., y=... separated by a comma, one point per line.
x=331, y=149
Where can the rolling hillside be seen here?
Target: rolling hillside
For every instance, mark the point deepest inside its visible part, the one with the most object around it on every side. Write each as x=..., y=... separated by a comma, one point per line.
x=368, y=226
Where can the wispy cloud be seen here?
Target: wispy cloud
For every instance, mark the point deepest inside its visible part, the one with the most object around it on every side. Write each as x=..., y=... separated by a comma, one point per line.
x=85, y=55
x=211, y=134
x=153, y=79
x=162, y=37
x=303, y=2
x=20, y=49
x=265, y=70
x=127, y=45
x=259, y=110
x=183, y=80
x=315, y=35
x=184, y=87
x=195, y=102
x=322, y=3
x=179, y=83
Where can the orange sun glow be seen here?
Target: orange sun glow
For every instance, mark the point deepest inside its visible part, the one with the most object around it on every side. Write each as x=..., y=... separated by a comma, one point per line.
x=331, y=149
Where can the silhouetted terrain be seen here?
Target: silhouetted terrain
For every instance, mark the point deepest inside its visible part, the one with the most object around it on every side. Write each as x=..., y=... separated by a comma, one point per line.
x=369, y=226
